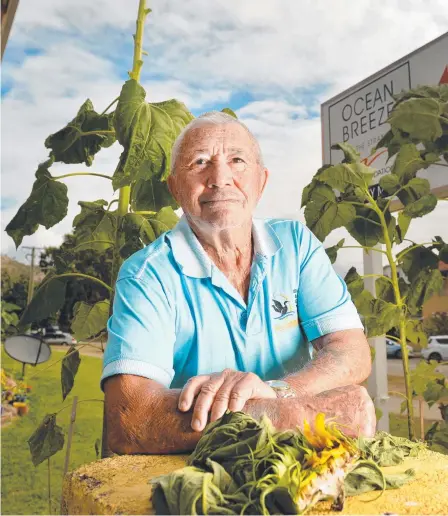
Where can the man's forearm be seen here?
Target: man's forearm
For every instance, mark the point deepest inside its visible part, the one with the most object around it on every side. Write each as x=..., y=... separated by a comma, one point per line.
x=342, y=358
x=153, y=424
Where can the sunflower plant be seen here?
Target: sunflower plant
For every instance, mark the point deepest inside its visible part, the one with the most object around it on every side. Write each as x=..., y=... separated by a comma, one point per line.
x=340, y=196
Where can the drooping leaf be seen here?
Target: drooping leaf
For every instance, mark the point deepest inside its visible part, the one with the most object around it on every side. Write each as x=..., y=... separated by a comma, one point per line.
x=421, y=207
x=47, y=439
x=347, y=175
x=151, y=195
x=423, y=375
x=407, y=163
x=393, y=141
x=323, y=213
x=421, y=118
x=415, y=333
x=147, y=133
x=89, y=320
x=308, y=190
x=70, y=365
x=390, y=183
x=46, y=206
x=424, y=286
x=384, y=289
x=69, y=145
x=228, y=111
x=351, y=155
x=436, y=391
x=94, y=227
x=332, y=252
x=414, y=259
x=47, y=300
x=402, y=227
x=354, y=281
x=365, y=478
x=365, y=227
x=163, y=221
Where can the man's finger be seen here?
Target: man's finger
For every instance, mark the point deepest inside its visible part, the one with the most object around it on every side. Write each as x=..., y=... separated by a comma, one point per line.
x=205, y=400
x=242, y=391
x=191, y=389
x=222, y=399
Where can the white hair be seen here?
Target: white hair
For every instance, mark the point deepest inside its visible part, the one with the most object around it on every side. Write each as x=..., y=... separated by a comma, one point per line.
x=214, y=118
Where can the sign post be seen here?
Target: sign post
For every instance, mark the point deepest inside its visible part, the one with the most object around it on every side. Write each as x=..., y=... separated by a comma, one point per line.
x=358, y=116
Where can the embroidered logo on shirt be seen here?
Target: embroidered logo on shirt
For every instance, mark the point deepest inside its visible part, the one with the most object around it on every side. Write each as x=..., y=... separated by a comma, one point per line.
x=283, y=307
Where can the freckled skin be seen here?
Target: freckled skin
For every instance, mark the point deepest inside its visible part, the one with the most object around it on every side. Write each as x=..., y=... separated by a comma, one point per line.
x=218, y=182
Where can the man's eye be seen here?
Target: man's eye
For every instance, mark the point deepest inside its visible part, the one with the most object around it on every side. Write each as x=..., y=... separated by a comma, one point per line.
x=238, y=160
x=200, y=161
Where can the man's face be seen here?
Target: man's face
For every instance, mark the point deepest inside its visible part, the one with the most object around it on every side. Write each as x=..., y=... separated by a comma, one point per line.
x=218, y=180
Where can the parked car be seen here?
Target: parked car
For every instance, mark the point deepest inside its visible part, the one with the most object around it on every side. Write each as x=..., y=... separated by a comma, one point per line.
x=394, y=349
x=58, y=337
x=437, y=348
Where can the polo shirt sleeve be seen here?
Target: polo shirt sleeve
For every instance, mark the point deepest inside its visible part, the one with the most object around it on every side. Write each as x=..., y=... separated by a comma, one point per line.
x=323, y=301
x=141, y=332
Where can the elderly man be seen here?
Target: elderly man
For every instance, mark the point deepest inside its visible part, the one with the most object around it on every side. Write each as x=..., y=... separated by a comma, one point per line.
x=222, y=312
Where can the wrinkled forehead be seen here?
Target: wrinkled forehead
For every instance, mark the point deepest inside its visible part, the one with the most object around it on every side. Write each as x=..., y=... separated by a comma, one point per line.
x=217, y=138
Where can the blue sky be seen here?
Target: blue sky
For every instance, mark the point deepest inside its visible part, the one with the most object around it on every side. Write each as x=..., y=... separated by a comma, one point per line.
x=272, y=62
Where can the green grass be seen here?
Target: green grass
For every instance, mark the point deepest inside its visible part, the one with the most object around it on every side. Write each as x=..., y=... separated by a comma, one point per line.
x=25, y=487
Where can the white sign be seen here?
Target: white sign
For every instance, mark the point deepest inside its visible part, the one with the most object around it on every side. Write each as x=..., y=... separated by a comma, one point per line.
x=358, y=115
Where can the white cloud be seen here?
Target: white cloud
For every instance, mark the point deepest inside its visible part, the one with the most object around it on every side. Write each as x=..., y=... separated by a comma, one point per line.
x=288, y=56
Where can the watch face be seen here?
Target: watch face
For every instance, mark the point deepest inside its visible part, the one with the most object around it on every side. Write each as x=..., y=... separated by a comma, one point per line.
x=278, y=384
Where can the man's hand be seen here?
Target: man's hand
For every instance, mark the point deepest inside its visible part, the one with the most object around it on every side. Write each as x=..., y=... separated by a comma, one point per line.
x=221, y=391
x=350, y=406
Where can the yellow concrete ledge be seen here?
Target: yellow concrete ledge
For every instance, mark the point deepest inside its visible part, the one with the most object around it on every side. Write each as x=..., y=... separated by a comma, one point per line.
x=119, y=485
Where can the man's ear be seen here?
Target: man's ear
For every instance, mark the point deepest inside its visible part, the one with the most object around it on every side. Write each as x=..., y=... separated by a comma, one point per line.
x=264, y=179
x=172, y=186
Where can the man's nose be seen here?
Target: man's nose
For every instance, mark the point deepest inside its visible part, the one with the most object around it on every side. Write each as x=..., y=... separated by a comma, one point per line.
x=220, y=175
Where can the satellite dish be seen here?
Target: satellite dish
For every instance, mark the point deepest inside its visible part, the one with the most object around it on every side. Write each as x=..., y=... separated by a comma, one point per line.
x=28, y=349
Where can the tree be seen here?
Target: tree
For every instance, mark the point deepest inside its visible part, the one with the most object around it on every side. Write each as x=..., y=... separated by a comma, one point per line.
x=437, y=324
x=89, y=262
x=340, y=196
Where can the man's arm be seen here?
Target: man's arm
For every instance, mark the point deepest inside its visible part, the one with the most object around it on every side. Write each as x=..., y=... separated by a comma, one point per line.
x=143, y=416
x=342, y=358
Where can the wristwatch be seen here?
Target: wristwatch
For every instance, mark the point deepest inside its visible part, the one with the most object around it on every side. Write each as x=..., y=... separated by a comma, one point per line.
x=282, y=389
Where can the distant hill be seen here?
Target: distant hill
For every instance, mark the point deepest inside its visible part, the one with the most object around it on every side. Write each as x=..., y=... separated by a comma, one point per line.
x=16, y=269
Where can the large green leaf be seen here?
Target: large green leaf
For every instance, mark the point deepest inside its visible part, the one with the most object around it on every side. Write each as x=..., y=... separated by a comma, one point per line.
x=69, y=145
x=47, y=300
x=332, y=252
x=435, y=391
x=351, y=155
x=46, y=205
x=422, y=375
x=421, y=118
x=70, y=366
x=323, y=213
x=415, y=259
x=425, y=285
x=407, y=163
x=308, y=190
x=163, y=221
x=415, y=333
x=421, y=207
x=151, y=195
x=94, y=227
x=384, y=289
x=354, y=281
x=147, y=133
x=365, y=227
x=89, y=320
x=47, y=439
x=390, y=183
x=415, y=189
x=402, y=227
x=347, y=175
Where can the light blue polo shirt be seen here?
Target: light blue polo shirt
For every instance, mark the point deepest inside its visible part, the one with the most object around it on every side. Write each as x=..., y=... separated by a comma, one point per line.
x=176, y=315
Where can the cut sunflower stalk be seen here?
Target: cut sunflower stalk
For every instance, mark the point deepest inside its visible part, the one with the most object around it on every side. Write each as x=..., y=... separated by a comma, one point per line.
x=243, y=466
